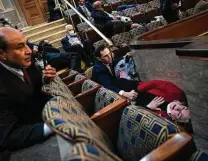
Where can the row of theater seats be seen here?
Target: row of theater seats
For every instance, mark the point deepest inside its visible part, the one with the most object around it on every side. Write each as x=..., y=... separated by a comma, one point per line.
x=99, y=122
x=143, y=13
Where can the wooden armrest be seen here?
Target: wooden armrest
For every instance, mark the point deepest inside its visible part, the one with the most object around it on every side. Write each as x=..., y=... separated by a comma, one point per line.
x=64, y=74
x=86, y=99
x=76, y=86
x=63, y=71
x=69, y=79
x=108, y=110
x=109, y=118
x=179, y=147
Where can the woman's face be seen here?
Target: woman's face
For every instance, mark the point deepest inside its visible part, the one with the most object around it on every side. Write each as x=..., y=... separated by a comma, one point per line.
x=179, y=111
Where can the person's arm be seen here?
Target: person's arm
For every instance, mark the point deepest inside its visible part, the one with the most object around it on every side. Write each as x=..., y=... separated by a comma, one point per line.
x=145, y=86
x=66, y=45
x=101, y=16
x=89, y=6
x=15, y=135
x=106, y=80
x=48, y=49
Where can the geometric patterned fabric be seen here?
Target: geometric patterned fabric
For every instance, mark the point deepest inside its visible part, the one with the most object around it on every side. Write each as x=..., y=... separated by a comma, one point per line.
x=182, y=15
x=73, y=72
x=141, y=131
x=79, y=77
x=137, y=31
x=57, y=88
x=98, y=43
x=142, y=7
x=121, y=39
x=154, y=4
x=104, y=97
x=153, y=25
x=190, y=11
x=67, y=117
x=199, y=156
x=87, y=84
x=129, y=12
x=86, y=152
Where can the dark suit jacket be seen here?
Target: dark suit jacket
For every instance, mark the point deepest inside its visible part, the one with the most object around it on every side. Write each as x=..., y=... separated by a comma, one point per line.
x=100, y=17
x=102, y=75
x=20, y=109
x=51, y=4
x=88, y=6
x=67, y=46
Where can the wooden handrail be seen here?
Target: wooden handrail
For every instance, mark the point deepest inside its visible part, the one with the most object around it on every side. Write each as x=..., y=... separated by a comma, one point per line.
x=89, y=23
x=179, y=147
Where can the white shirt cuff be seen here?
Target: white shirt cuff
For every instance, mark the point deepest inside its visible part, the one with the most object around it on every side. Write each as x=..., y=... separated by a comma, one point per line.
x=47, y=130
x=121, y=92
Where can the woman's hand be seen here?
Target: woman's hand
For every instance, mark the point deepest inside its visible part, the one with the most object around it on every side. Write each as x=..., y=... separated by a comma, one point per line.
x=155, y=103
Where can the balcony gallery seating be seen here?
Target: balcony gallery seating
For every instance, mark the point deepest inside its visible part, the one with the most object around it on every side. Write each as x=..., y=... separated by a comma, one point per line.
x=140, y=131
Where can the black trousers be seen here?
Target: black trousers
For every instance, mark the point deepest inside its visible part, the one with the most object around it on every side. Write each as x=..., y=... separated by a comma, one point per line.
x=126, y=85
x=85, y=52
x=70, y=60
x=170, y=15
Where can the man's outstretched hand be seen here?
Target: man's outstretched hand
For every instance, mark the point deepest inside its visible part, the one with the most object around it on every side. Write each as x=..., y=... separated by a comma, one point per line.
x=130, y=95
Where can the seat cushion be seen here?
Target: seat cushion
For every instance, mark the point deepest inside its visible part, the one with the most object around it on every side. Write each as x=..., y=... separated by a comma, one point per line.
x=87, y=152
x=199, y=156
x=87, y=84
x=122, y=38
x=79, y=77
x=141, y=131
x=67, y=118
x=137, y=31
x=57, y=88
x=104, y=97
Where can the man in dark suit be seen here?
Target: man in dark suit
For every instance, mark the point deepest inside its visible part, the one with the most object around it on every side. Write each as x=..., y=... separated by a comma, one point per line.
x=85, y=8
x=169, y=10
x=73, y=43
x=107, y=23
x=103, y=73
x=54, y=13
x=21, y=100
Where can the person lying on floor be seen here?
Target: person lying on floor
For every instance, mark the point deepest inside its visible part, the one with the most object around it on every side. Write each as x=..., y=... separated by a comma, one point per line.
x=73, y=43
x=59, y=59
x=103, y=73
x=165, y=97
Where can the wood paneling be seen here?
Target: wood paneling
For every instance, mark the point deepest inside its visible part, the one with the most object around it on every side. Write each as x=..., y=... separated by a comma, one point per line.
x=44, y=7
x=35, y=11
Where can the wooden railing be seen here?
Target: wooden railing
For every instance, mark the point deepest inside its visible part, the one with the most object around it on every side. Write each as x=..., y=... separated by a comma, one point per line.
x=188, y=27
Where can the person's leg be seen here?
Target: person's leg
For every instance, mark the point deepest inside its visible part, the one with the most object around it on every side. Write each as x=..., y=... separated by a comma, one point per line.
x=75, y=62
x=88, y=47
x=127, y=85
x=108, y=29
x=80, y=50
x=170, y=16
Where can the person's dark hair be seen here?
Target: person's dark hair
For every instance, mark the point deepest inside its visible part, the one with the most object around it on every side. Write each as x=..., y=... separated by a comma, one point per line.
x=98, y=50
x=41, y=43
x=3, y=43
